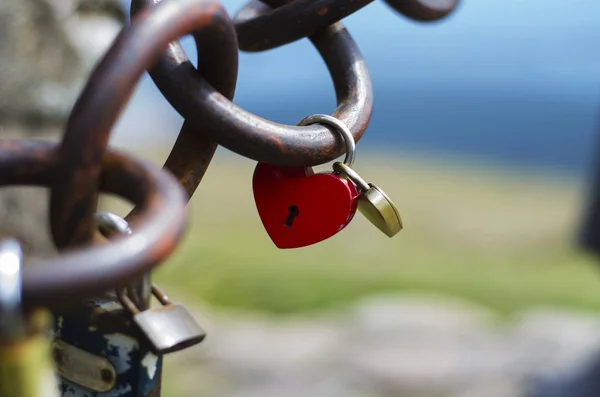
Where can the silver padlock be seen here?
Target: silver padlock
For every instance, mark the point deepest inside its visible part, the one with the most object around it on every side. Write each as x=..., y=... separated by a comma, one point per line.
x=169, y=328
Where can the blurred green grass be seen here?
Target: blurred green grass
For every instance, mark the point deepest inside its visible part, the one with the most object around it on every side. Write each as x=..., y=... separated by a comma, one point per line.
x=502, y=239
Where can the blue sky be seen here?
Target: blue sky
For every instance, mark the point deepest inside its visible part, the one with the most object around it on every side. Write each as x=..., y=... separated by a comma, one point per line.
x=556, y=42
x=524, y=51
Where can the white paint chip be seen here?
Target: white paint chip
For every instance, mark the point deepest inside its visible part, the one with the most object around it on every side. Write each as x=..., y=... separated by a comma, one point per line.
x=149, y=362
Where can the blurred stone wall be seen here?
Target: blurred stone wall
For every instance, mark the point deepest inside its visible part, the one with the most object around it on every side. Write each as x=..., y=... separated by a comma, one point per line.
x=47, y=50
x=392, y=346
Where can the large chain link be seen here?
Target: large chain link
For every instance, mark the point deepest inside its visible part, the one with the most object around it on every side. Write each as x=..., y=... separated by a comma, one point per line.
x=81, y=166
x=261, y=27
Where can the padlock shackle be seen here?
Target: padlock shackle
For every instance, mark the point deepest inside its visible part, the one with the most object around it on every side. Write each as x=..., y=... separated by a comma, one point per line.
x=122, y=295
x=344, y=170
x=83, y=273
x=339, y=127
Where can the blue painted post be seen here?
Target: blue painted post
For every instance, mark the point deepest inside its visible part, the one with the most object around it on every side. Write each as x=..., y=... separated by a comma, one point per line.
x=122, y=362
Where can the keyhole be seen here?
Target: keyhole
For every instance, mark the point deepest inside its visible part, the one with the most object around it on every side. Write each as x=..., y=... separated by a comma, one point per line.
x=293, y=212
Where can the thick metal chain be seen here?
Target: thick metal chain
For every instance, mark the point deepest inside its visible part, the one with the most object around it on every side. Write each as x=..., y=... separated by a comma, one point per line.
x=81, y=166
x=261, y=27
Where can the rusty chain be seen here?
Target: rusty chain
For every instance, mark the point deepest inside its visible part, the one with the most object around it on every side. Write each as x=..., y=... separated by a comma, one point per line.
x=78, y=285
x=81, y=166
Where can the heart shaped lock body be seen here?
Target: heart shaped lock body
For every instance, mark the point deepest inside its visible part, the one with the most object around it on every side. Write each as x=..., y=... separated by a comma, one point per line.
x=299, y=207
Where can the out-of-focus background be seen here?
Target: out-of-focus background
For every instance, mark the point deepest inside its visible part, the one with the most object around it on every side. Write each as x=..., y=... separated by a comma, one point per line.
x=483, y=133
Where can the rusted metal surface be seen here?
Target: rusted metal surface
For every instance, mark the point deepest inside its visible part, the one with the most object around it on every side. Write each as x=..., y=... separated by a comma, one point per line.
x=263, y=140
x=203, y=96
x=261, y=27
x=25, y=365
x=217, y=50
x=74, y=196
x=190, y=157
x=84, y=272
x=425, y=10
x=81, y=166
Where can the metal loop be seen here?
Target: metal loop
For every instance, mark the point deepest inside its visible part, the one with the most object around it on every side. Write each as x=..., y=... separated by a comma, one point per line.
x=341, y=128
x=141, y=291
x=267, y=24
x=87, y=272
x=134, y=308
x=261, y=27
x=127, y=302
x=74, y=195
x=424, y=10
x=217, y=55
x=265, y=141
x=344, y=169
x=11, y=269
x=160, y=295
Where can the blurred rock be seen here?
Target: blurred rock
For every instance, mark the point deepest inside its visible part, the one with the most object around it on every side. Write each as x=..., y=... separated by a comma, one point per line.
x=47, y=48
x=393, y=346
x=428, y=317
x=554, y=341
x=23, y=216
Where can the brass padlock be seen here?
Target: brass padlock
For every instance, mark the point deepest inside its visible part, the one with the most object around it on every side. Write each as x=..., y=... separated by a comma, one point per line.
x=169, y=328
x=25, y=364
x=373, y=203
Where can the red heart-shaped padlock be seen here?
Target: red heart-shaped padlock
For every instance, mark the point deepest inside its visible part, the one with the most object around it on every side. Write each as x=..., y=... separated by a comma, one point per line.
x=298, y=207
